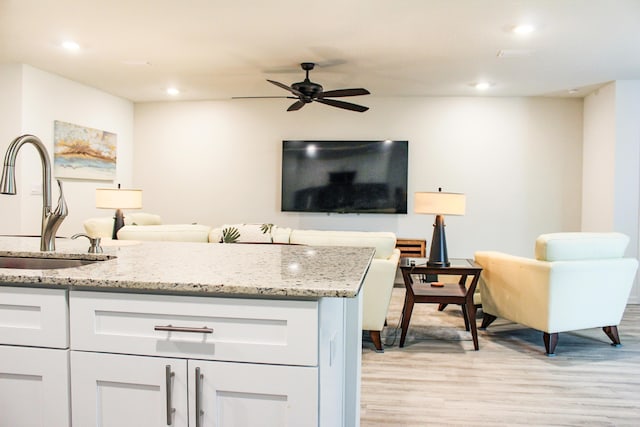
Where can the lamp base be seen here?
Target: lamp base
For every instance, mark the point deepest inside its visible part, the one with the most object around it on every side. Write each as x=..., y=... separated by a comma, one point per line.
x=118, y=223
x=438, y=256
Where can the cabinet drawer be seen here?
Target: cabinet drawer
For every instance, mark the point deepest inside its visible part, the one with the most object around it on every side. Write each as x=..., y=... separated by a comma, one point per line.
x=34, y=317
x=234, y=329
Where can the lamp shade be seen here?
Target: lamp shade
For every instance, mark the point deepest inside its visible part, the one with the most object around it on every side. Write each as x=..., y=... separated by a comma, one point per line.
x=439, y=203
x=117, y=198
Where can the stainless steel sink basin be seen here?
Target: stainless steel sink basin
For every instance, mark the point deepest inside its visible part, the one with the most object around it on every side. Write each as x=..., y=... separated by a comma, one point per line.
x=32, y=263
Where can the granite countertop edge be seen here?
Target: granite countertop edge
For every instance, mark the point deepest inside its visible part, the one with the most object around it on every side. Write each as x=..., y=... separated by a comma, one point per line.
x=202, y=269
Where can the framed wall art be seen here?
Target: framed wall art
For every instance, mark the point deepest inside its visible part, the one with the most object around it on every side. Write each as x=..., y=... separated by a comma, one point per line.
x=84, y=153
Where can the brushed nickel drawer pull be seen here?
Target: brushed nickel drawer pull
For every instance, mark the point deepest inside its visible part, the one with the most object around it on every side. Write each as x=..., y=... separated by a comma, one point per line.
x=168, y=376
x=199, y=411
x=170, y=328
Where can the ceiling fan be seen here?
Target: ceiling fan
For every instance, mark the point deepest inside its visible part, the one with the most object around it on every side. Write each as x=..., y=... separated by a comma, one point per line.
x=307, y=91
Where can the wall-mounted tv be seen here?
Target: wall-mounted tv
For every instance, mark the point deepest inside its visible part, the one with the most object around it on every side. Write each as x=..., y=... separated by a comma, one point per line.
x=345, y=176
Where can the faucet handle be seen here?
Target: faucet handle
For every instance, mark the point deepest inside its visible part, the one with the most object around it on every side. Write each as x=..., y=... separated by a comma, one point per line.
x=95, y=247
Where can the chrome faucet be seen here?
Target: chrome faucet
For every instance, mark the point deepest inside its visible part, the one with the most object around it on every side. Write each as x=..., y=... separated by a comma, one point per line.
x=50, y=220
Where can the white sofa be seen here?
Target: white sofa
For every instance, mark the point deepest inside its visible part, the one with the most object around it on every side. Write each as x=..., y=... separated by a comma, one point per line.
x=378, y=283
x=576, y=281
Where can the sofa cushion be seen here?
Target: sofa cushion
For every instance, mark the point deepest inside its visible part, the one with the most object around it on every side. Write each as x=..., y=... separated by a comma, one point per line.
x=580, y=246
x=281, y=234
x=384, y=242
x=168, y=232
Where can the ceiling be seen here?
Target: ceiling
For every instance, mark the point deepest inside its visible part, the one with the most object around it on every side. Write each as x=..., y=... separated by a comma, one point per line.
x=218, y=49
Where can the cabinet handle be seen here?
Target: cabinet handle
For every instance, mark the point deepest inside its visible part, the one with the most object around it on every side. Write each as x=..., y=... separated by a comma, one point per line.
x=169, y=328
x=199, y=411
x=168, y=376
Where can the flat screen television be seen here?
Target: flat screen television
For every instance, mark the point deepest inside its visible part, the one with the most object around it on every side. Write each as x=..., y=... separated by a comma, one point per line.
x=345, y=176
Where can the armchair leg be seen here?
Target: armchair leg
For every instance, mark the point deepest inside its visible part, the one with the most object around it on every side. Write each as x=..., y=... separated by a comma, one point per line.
x=377, y=342
x=550, y=343
x=612, y=333
x=487, y=319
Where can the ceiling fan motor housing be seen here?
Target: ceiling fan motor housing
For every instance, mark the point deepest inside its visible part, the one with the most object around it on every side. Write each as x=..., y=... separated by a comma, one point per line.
x=308, y=88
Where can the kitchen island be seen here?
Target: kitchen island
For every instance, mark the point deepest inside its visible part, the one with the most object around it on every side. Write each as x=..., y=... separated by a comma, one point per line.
x=197, y=334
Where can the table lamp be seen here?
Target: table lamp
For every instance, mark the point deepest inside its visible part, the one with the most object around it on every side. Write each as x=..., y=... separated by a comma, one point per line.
x=118, y=199
x=439, y=204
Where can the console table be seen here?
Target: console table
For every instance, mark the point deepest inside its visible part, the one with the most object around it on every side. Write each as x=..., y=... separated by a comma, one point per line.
x=420, y=289
x=414, y=248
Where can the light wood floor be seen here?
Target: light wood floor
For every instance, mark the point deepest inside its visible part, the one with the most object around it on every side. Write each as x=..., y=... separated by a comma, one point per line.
x=437, y=379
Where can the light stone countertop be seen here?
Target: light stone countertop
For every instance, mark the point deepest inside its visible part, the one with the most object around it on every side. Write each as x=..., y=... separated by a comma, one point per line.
x=268, y=270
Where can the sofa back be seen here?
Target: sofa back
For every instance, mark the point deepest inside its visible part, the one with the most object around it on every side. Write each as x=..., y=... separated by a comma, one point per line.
x=580, y=246
x=384, y=242
x=167, y=232
x=103, y=226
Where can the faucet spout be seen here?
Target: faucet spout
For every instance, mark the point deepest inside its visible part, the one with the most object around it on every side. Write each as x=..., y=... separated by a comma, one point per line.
x=51, y=220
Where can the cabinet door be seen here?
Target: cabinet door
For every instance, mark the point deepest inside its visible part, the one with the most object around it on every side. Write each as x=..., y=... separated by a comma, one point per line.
x=34, y=387
x=112, y=390
x=230, y=394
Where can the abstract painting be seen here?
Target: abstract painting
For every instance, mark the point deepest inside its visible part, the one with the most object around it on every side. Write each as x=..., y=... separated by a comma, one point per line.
x=84, y=153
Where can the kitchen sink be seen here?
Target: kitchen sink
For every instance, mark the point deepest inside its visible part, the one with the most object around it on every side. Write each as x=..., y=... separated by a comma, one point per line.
x=41, y=263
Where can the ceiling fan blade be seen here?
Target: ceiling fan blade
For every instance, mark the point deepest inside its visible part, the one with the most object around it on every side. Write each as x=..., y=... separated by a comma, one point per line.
x=263, y=97
x=342, y=104
x=296, y=106
x=344, y=92
x=285, y=87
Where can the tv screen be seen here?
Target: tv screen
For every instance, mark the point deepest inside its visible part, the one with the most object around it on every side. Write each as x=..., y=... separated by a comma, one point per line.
x=345, y=176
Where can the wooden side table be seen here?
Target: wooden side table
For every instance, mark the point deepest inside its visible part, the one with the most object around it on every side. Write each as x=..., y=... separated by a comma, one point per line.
x=419, y=290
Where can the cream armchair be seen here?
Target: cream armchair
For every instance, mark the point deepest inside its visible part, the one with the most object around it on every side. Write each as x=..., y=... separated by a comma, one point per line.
x=577, y=281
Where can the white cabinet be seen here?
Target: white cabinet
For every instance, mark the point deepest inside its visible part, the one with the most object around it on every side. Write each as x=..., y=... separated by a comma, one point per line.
x=86, y=358
x=224, y=394
x=113, y=390
x=245, y=362
x=234, y=329
x=34, y=387
x=34, y=317
x=34, y=382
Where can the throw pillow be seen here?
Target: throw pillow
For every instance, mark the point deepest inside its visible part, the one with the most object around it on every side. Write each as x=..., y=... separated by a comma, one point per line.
x=247, y=233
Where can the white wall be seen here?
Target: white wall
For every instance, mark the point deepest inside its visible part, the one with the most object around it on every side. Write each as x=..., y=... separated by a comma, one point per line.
x=519, y=161
x=41, y=98
x=10, y=125
x=611, y=177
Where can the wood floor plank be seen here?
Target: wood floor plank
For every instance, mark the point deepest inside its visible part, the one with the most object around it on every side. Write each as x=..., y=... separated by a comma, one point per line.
x=438, y=379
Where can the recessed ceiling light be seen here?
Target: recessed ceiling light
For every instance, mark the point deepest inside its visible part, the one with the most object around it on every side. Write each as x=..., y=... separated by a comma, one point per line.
x=573, y=91
x=523, y=29
x=71, y=45
x=173, y=91
x=482, y=85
